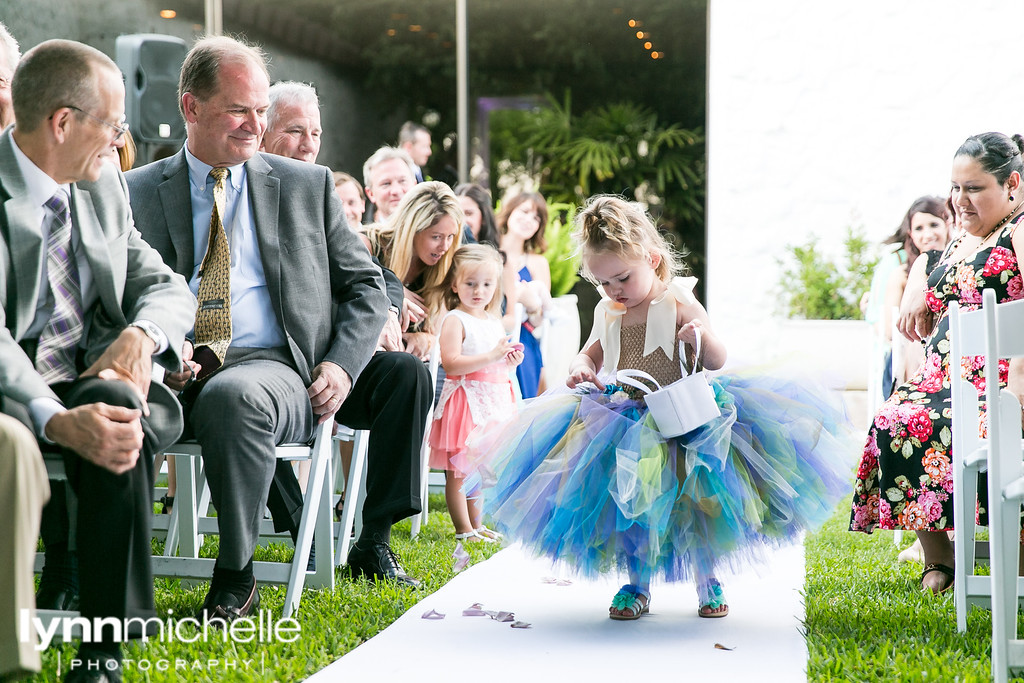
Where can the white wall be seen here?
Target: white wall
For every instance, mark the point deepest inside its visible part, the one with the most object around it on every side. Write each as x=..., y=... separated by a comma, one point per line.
x=823, y=115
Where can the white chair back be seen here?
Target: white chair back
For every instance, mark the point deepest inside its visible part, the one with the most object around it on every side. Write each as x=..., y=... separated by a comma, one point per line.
x=351, y=523
x=420, y=520
x=897, y=364
x=968, y=336
x=1003, y=325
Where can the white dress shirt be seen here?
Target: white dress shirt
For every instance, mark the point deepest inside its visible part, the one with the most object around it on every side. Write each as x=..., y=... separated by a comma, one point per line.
x=40, y=188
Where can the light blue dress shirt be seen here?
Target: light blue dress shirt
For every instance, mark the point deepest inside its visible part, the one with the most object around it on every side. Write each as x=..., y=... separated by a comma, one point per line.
x=253, y=321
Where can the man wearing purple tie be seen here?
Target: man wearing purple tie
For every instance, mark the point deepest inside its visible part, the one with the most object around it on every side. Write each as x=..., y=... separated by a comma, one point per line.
x=87, y=307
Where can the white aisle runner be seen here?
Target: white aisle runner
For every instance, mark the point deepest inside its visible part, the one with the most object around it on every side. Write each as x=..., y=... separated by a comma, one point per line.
x=572, y=639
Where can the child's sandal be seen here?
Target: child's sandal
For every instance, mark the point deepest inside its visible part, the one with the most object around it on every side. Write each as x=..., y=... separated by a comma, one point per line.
x=632, y=598
x=472, y=537
x=488, y=533
x=712, y=600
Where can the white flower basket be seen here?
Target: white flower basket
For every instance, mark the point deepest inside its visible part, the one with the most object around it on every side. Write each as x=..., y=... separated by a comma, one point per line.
x=682, y=406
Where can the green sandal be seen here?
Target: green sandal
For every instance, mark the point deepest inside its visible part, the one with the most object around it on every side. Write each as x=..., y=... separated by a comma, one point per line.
x=632, y=598
x=712, y=599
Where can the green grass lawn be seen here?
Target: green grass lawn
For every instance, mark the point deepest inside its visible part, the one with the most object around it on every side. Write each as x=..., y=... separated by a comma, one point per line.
x=867, y=619
x=332, y=623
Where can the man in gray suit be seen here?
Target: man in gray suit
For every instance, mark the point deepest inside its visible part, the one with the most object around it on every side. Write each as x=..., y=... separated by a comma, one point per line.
x=87, y=308
x=306, y=309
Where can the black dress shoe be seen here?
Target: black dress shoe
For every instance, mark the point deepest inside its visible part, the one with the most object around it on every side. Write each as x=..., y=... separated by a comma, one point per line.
x=166, y=504
x=57, y=598
x=90, y=666
x=378, y=561
x=224, y=606
x=311, y=563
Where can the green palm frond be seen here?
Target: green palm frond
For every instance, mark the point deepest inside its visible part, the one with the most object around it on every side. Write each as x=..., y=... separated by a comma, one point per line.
x=617, y=147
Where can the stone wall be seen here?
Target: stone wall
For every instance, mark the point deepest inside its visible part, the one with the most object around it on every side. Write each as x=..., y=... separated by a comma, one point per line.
x=351, y=133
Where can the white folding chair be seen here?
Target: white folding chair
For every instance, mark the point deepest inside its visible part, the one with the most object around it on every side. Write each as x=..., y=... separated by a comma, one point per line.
x=355, y=491
x=316, y=521
x=896, y=367
x=1002, y=325
x=419, y=520
x=56, y=472
x=974, y=334
x=876, y=364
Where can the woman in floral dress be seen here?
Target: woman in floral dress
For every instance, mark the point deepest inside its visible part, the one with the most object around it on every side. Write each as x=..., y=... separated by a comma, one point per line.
x=905, y=480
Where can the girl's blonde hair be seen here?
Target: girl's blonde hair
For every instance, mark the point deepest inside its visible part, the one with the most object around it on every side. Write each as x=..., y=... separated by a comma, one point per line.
x=466, y=258
x=611, y=225
x=421, y=208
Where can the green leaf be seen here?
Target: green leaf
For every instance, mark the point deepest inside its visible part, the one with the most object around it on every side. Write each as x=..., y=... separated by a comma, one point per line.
x=618, y=148
x=815, y=286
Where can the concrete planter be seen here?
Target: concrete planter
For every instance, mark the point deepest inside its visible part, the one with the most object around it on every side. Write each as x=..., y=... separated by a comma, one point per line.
x=561, y=339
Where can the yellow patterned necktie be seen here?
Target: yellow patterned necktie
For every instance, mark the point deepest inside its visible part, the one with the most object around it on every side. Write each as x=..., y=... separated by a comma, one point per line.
x=213, y=317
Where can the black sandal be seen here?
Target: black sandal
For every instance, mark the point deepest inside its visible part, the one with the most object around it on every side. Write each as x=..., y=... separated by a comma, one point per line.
x=936, y=567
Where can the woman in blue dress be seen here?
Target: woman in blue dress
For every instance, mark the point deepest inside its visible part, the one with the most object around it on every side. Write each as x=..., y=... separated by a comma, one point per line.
x=521, y=223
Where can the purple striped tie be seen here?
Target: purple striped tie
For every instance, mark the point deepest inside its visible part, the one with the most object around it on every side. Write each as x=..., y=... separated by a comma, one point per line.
x=55, y=356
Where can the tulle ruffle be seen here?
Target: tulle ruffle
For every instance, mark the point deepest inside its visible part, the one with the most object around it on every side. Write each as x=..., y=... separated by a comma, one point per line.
x=587, y=478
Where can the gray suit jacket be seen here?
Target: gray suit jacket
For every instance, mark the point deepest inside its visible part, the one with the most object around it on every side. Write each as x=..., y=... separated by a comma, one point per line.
x=132, y=281
x=327, y=294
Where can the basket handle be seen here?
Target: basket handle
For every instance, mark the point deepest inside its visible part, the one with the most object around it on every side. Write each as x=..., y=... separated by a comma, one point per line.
x=698, y=364
x=627, y=377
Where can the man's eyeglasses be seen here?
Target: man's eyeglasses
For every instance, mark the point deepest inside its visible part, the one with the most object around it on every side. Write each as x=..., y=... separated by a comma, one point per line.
x=121, y=130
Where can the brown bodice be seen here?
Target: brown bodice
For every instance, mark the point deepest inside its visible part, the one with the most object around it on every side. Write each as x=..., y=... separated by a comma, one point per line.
x=657, y=364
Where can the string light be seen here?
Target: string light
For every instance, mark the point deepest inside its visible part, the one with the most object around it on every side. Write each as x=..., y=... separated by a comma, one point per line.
x=645, y=36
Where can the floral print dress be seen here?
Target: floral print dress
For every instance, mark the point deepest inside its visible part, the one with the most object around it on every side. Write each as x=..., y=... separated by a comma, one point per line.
x=905, y=479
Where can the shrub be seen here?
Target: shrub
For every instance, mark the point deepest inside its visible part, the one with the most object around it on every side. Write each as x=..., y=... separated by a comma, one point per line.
x=560, y=253
x=814, y=286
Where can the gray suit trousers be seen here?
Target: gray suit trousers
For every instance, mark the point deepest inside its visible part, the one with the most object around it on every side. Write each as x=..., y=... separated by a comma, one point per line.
x=254, y=402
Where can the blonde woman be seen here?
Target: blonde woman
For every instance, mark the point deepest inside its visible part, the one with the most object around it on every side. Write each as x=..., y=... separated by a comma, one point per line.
x=417, y=244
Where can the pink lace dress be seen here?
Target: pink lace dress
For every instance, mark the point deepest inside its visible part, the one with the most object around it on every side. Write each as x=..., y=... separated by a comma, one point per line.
x=474, y=399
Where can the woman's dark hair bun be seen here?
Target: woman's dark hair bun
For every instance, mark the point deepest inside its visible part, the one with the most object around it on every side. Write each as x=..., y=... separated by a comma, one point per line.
x=1018, y=140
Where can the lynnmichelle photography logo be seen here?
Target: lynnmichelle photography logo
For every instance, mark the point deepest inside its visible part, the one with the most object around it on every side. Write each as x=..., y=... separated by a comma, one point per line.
x=244, y=630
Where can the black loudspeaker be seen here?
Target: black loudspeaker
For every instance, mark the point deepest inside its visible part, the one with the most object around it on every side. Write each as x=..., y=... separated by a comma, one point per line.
x=151, y=64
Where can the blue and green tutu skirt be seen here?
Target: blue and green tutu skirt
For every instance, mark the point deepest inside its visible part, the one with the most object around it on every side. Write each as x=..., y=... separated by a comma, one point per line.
x=585, y=477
